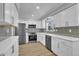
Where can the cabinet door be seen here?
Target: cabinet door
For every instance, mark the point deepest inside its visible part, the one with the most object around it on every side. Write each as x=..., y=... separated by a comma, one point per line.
x=65, y=49
x=52, y=43
x=71, y=16
x=43, y=38
x=8, y=13
x=39, y=37
x=58, y=20
x=55, y=45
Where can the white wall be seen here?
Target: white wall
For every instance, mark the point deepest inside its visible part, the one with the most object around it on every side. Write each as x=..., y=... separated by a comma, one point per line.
x=46, y=21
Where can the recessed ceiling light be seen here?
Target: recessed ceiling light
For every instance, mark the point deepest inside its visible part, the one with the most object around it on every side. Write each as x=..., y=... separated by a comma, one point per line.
x=32, y=15
x=37, y=7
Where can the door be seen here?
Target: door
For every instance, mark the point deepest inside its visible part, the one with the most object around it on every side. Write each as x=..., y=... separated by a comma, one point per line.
x=48, y=42
x=22, y=33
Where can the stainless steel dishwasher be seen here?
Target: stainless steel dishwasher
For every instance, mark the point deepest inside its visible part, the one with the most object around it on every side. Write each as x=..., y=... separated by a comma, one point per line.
x=48, y=42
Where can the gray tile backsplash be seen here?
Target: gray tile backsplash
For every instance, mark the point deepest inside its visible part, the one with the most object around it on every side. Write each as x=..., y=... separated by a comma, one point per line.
x=68, y=30
x=35, y=30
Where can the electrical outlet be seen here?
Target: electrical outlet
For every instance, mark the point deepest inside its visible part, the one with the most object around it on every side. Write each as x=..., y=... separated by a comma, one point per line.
x=70, y=30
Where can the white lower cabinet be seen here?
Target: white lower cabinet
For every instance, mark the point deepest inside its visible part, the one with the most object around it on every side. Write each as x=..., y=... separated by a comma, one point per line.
x=9, y=47
x=61, y=47
x=55, y=45
x=64, y=48
x=41, y=38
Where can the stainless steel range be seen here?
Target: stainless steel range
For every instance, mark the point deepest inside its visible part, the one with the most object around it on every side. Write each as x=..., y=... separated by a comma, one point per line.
x=32, y=37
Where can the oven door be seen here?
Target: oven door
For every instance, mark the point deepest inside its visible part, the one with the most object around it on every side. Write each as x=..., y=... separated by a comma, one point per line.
x=32, y=37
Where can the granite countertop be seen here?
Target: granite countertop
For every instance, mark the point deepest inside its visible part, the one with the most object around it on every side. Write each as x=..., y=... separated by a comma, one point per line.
x=64, y=34
x=67, y=36
x=58, y=33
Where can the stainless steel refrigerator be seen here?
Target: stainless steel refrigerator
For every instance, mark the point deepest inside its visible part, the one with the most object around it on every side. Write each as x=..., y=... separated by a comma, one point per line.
x=22, y=33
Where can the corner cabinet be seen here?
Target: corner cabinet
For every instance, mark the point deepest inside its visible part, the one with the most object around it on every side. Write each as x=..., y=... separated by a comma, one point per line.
x=41, y=38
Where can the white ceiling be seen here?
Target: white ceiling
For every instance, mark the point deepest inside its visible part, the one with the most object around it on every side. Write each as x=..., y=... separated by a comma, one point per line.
x=27, y=9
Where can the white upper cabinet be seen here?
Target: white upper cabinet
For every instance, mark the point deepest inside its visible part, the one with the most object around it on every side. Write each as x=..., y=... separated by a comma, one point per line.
x=8, y=13
x=11, y=14
x=58, y=20
x=68, y=17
